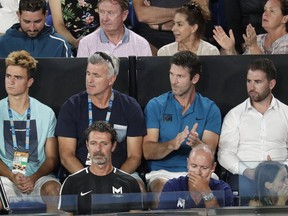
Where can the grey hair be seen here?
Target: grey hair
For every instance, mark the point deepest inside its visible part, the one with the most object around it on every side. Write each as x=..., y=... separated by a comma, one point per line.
x=99, y=58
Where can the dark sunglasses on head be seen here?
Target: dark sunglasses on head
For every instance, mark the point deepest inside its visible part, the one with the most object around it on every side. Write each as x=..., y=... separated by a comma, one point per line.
x=105, y=57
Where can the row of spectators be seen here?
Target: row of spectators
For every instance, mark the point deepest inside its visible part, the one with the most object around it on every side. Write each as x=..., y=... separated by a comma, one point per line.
x=85, y=27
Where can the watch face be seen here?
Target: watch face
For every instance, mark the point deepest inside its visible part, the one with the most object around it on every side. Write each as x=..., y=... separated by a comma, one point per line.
x=208, y=197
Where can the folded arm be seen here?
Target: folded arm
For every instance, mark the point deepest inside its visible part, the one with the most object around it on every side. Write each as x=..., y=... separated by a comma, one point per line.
x=152, y=15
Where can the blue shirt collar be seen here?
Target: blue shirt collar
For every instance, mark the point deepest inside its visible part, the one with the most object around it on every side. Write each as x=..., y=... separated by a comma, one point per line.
x=104, y=38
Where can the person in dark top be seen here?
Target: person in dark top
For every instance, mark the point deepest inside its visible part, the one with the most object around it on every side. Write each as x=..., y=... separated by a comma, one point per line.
x=197, y=189
x=101, y=102
x=271, y=184
x=32, y=35
x=100, y=178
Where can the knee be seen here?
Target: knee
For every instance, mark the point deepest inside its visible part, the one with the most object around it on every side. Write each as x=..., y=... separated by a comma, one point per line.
x=141, y=185
x=157, y=184
x=50, y=188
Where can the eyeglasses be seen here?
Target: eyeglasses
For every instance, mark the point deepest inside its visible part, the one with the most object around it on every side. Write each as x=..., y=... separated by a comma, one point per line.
x=105, y=57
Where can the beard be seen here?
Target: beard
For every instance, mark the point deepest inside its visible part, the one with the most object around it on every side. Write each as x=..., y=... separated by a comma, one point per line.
x=35, y=35
x=99, y=159
x=258, y=97
x=177, y=91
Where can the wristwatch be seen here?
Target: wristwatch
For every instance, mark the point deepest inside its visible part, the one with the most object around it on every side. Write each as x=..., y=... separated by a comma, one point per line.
x=209, y=196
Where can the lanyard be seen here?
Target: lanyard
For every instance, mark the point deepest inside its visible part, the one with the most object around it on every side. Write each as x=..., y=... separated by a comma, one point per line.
x=15, y=146
x=90, y=115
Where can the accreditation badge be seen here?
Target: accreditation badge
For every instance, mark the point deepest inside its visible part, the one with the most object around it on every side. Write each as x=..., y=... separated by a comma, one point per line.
x=88, y=160
x=20, y=162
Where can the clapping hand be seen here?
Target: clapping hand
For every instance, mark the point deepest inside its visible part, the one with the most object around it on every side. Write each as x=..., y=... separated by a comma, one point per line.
x=193, y=137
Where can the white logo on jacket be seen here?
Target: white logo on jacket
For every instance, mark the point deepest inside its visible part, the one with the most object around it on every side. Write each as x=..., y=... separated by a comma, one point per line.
x=181, y=203
x=117, y=190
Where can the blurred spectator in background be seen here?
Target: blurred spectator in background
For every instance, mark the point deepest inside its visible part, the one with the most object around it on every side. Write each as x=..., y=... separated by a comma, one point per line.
x=156, y=20
x=188, y=29
x=74, y=19
x=271, y=184
x=113, y=37
x=237, y=14
x=32, y=35
x=275, y=41
x=8, y=16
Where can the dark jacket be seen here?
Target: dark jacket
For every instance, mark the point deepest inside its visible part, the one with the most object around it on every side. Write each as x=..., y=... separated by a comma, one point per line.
x=47, y=44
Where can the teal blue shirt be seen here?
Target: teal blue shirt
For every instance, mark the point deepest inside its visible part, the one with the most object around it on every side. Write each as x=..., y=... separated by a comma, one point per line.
x=165, y=114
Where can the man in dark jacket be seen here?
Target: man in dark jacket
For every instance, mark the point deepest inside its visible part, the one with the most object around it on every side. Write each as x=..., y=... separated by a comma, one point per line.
x=32, y=35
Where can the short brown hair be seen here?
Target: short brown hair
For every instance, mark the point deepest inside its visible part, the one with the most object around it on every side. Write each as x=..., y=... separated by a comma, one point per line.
x=32, y=6
x=103, y=127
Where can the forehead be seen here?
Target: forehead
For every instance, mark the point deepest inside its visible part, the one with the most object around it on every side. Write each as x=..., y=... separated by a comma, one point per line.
x=256, y=74
x=16, y=70
x=180, y=17
x=176, y=69
x=28, y=15
x=99, y=136
x=97, y=68
x=273, y=3
x=32, y=14
x=200, y=157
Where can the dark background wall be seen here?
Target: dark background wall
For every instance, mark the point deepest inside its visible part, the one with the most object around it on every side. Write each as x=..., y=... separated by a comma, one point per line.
x=223, y=79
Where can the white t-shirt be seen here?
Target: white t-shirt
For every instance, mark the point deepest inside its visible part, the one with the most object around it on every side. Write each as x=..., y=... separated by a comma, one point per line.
x=204, y=48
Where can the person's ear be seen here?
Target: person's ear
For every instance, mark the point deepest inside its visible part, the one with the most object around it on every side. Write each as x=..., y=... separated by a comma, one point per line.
x=18, y=15
x=194, y=28
x=112, y=80
x=125, y=15
x=87, y=144
x=214, y=166
x=30, y=82
x=114, y=146
x=272, y=84
x=195, y=78
x=285, y=19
